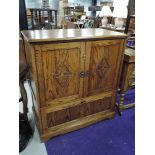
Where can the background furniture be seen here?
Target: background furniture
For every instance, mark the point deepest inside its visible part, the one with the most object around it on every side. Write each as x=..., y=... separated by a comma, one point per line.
x=69, y=25
x=75, y=77
x=81, y=22
x=130, y=22
x=43, y=18
x=113, y=28
x=130, y=27
x=23, y=71
x=25, y=130
x=89, y=23
x=68, y=10
x=69, y=13
x=78, y=12
x=128, y=72
x=22, y=16
x=127, y=77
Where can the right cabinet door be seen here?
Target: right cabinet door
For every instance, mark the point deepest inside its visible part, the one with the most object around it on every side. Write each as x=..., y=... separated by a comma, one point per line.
x=103, y=60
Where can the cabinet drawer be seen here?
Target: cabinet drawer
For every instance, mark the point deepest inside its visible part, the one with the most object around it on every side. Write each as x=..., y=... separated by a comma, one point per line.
x=80, y=110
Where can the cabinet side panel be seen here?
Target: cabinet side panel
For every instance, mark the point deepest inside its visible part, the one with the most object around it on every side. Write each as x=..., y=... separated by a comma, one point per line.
x=29, y=49
x=21, y=51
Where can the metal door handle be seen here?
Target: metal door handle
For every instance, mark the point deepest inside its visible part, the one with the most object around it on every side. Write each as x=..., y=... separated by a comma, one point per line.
x=82, y=74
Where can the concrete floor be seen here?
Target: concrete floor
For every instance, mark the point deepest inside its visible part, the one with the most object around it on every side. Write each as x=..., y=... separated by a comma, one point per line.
x=34, y=147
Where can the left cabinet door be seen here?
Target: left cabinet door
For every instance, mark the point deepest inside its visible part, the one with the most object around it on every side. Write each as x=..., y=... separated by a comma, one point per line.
x=58, y=67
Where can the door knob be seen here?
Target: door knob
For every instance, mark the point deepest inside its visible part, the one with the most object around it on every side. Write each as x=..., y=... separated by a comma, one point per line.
x=82, y=74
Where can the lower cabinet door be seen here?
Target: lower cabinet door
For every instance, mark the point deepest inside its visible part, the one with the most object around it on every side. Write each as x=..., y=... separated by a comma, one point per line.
x=103, y=59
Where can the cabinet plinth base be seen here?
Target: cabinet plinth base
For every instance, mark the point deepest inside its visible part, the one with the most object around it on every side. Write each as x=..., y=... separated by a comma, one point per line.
x=76, y=124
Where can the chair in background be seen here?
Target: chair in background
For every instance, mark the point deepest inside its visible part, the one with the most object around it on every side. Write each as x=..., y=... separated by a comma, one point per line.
x=80, y=22
x=25, y=130
x=89, y=23
x=43, y=18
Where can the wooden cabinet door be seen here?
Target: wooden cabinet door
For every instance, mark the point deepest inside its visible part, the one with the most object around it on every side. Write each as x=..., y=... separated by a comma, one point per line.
x=102, y=66
x=58, y=67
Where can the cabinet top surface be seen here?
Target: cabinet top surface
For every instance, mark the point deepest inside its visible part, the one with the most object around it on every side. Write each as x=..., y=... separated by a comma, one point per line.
x=69, y=34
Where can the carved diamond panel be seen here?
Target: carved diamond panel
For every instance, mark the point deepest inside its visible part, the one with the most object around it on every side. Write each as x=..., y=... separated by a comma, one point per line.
x=62, y=75
x=102, y=68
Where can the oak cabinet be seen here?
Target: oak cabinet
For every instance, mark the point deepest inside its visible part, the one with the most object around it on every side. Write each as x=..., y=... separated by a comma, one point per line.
x=74, y=77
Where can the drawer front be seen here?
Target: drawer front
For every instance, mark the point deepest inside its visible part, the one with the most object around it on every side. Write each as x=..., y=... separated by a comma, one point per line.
x=75, y=112
x=82, y=110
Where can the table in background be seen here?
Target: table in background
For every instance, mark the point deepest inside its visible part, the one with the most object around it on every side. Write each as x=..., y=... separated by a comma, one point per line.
x=127, y=77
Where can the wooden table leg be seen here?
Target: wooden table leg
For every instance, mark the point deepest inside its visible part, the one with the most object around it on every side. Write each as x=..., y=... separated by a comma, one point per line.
x=123, y=86
x=121, y=101
x=23, y=70
x=126, y=74
x=24, y=96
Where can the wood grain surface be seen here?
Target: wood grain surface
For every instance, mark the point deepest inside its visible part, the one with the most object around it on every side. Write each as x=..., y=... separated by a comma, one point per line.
x=70, y=34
